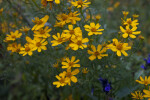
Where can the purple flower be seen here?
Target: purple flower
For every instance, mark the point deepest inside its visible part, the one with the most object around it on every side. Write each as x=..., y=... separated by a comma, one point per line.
x=144, y=67
x=106, y=85
x=147, y=60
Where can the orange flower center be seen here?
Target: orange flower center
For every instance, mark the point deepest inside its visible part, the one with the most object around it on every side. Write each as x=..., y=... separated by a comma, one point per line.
x=62, y=80
x=80, y=2
x=42, y=31
x=18, y=50
x=129, y=22
x=13, y=36
x=94, y=29
x=96, y=53
x=79, y=42
x=38, y=44
x=27, y=49
x=68, y=74
x=64, y=17
x=129, y=31
x=59, y=40
x=119, y=46
x=71, y=64
x=71, y=32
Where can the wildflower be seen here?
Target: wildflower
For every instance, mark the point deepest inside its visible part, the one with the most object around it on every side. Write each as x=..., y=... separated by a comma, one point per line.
x=147, y=94
x=106, y=85
x=78, y=42
x=59, y=39
x=39, y=44
x=55, y=65
x=44, y=3
x=116, y=4
x=25, y=29
x=93, y=29
x=144, y=67
x=97, y=53
x=62, y=80
x=59, y=24
x=135, y=16
x=80, y=3
x=72, y=33
x=129, y=22
x=85, y=70
x=147, y=60
x=56, y=1
x=137, y=95
x=119, y=47
x=63, y=18
x=14, y=47
x=125, y=13
x=70, y=63
x=27, y=49
x=13, y=36
x=145, y=82
x=73, y=17
x=43, y=33
x=129, y=32
x=110, y=9
x=1, y=10
x=98, y=17
x=39, y=23
x=70, y=75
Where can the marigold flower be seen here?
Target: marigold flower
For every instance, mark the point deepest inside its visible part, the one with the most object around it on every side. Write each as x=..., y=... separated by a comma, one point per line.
x=97, y=53
x=70, y=75
x=62, y=80
x=93, y=29
x=27, y=49
x=43, y=33
x=142, y=81
x=80, y=3
x=13, y=36
x=129, y=22
x=147, y=93
x=59, y=39
x=73, y=17
x=39, y=44
x=70, y=63
x=63, y=18
x=129, y=32
x=39, y=23
x=137, y=95
x=79, y=42
x=119, y=47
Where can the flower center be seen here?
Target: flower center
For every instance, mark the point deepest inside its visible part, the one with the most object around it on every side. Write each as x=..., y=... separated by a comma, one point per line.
x=18, y=50
x=38, y=44
x=119, y=46
x=94, y=29
x=96, y=53
x=79, y=42
x=62, y=80
x=42, y=31
x=129, y=31
x=13, y=36
x=71, y=32
x=71, y=64
x=64, y=17
x=68, y=74
x=80, y=2
x=59, y=40
x=129, y=22
x=27, y=49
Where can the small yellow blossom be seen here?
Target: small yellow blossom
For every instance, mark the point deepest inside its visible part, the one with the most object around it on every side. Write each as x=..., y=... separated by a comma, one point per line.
x=80, y=3
x=129, y=22
x=98, y=17
x=63, y=18
x=129, y=32
x=93, y=29
x=59, y=39
x=116, y=4
x=42, y=33
x=25, y=29
x=70, y=63
x=142, y=81
x=147, y=93
x=14, y=47
x=119, y=47
x=137, y=95
x=56, y=1
x=39, y=23
x=135, y=16
x=125, y=13
x=27, y=49
x=99, y=53
x=85, y=70
x=13, y=36
x=73, y=16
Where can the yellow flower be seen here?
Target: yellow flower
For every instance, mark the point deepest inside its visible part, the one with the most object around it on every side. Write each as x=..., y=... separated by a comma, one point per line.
x=14, y=47
x=44, y=3
x=72, y=33
x=27, y=49
x=129, y=32
x=93, y=29
x=4, y=27
x=42, y=33
x=63, y=18
x=137, y=95
x=97, y=53
x=62, y=80
x=73, y=17
x=119, y=47
x=13, y=36
x=98, y=17
x=1, y=10
x=116, y=4
x=129, y=22
x=78, y=42
x=110, y=9
x=59, y=39
x=125, y=13
x=70, y=75
x=80, y=3
x=70, y=63
x=85, y=70
x=59, y=24
x=147, y=94
x=39, y=44
x=56, y=65
x=56, y=1
x=142, y=81
x=135, y=16
x=39, y=23
x=25, y=29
